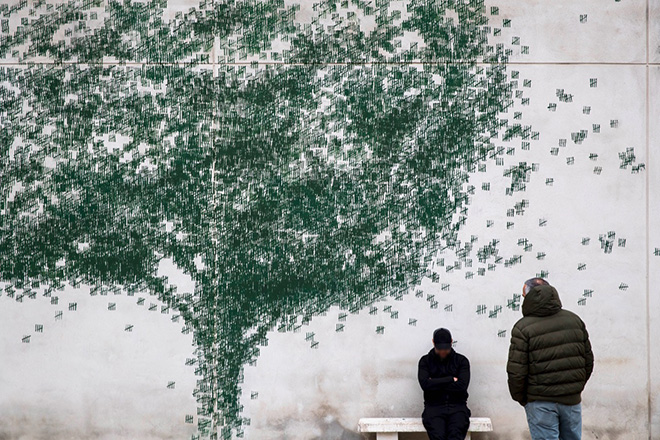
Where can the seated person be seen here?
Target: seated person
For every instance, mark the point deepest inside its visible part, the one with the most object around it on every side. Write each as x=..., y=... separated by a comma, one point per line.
x=444, y=376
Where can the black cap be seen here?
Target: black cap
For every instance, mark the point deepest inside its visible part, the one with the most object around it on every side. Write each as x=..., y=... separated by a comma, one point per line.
x=442, y=339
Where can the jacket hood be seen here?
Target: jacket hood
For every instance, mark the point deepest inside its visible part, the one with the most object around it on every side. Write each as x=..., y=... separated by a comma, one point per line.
x=542, y=300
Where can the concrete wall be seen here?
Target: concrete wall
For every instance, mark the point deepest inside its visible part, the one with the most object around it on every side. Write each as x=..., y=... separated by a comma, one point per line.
x=587, y=218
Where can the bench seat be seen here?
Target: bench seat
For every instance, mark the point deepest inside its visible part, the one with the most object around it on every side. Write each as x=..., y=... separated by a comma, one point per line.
x=389, y=428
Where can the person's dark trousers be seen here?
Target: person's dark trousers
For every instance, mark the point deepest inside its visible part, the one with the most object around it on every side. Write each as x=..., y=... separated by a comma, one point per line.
x=446, y=422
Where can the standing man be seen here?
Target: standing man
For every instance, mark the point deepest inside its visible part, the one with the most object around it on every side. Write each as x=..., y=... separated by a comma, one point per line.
x=550, y=362
x=444, y=375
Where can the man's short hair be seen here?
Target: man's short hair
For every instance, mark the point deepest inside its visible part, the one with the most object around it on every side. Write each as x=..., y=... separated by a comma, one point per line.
x=536, y=281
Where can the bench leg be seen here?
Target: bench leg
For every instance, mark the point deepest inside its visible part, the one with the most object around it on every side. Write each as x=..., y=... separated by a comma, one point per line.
x=395, y=436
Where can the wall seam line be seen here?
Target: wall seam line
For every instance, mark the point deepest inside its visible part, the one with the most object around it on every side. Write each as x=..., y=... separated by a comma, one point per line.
x=248, y=63
x=647, y=233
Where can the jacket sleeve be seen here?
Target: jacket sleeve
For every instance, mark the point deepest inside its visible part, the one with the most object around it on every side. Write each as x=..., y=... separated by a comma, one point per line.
x=427, y=383
x=588, y=353
x=463, y=377
x=517, y=366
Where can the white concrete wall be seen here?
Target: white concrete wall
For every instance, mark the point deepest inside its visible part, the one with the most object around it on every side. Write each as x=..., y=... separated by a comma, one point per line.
x=305, y=393
x=86, y=377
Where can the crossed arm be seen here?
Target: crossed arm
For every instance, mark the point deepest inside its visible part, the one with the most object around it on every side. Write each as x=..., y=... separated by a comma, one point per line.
x=447, y=383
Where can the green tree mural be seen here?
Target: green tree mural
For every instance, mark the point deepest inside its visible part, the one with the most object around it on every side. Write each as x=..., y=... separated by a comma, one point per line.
x=328, y=176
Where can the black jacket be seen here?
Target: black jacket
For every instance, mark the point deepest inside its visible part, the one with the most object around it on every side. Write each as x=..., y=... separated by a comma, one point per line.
x=550, y=355
x=436, y=377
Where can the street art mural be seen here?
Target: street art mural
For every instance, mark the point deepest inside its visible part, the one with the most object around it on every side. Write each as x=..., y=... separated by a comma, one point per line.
x=300, y=161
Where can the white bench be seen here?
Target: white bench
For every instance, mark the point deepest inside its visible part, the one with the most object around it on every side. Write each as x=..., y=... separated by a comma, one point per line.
x=390, y=427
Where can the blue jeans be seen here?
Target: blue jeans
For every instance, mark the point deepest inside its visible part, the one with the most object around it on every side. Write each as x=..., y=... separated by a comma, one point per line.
x=554, y=421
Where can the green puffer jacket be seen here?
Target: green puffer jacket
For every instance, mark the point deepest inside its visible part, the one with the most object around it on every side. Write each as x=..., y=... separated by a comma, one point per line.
x=550, y=355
